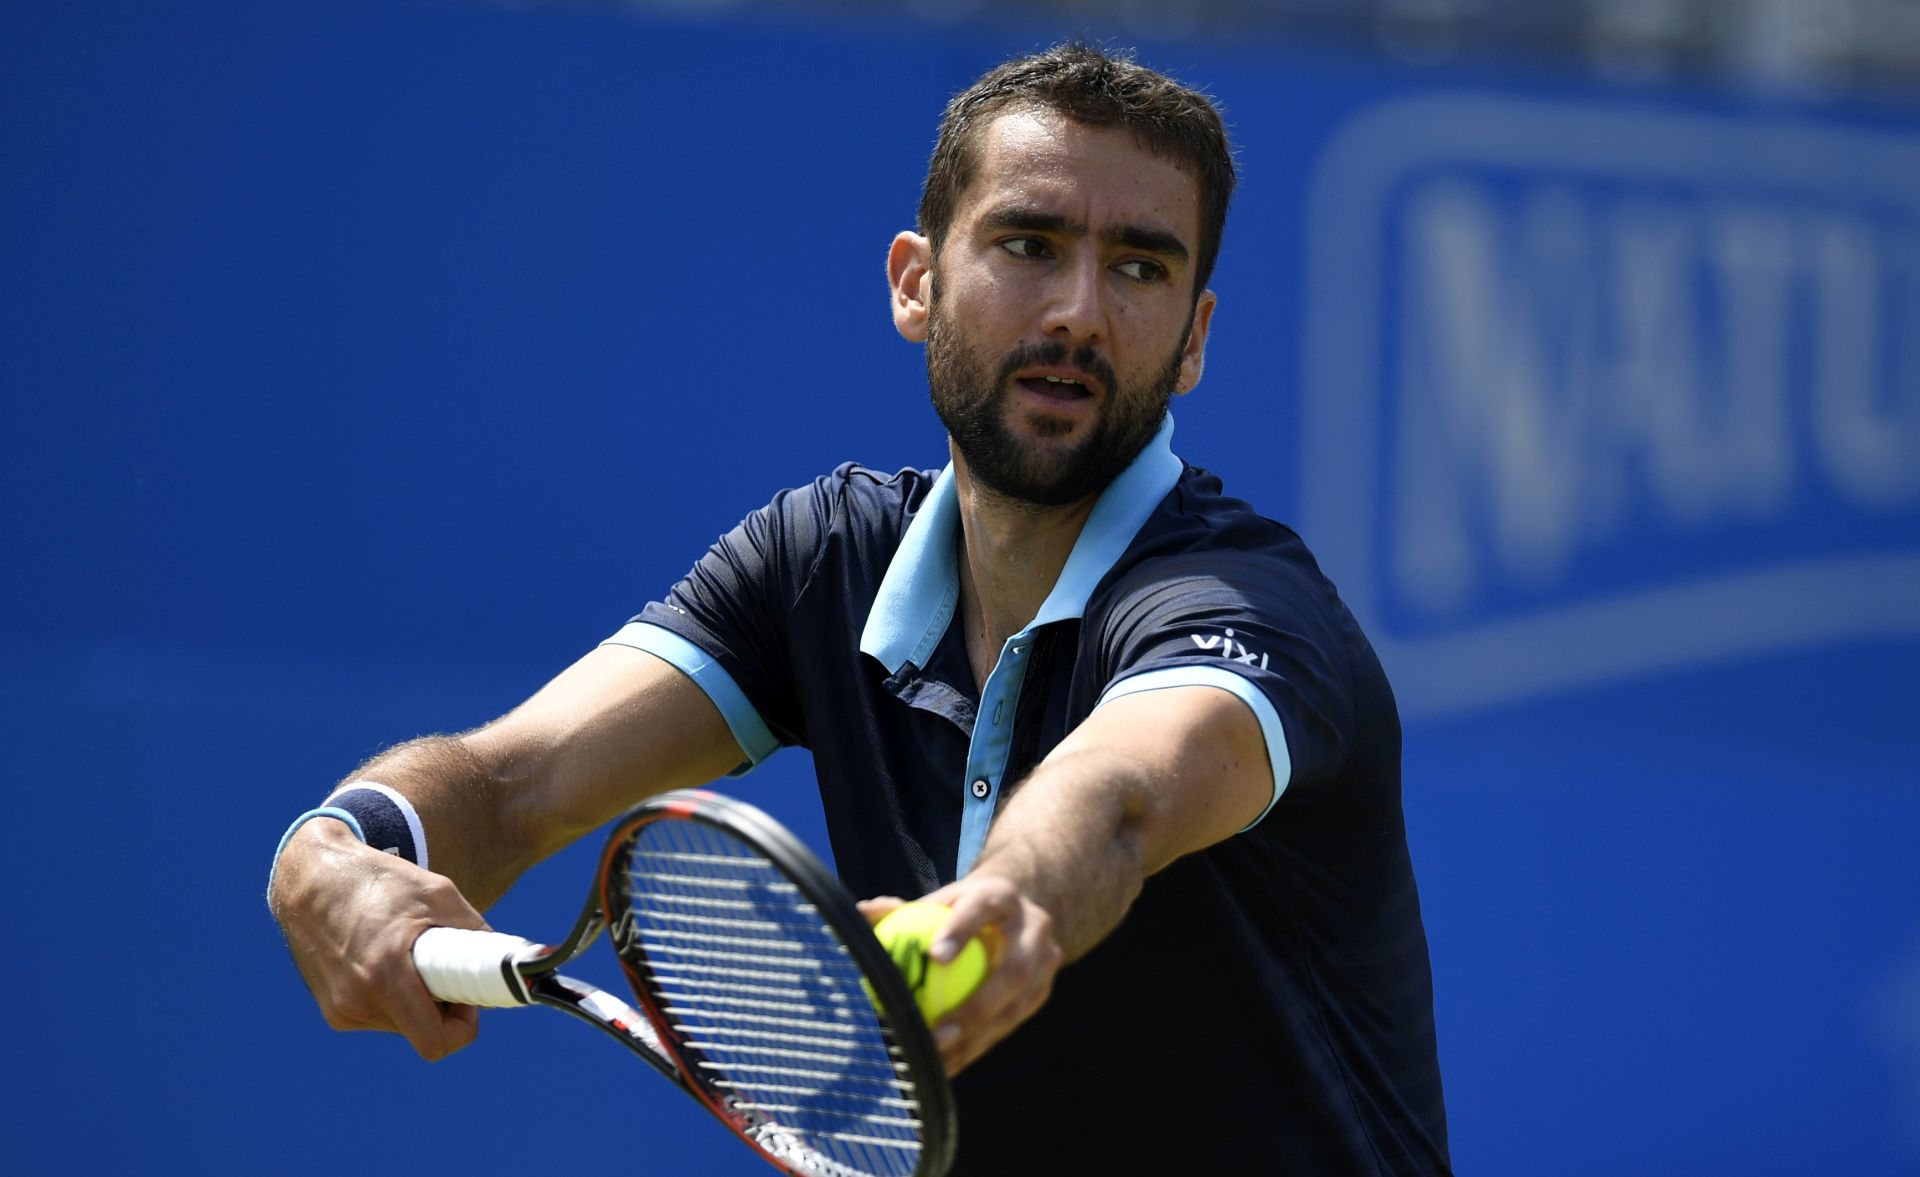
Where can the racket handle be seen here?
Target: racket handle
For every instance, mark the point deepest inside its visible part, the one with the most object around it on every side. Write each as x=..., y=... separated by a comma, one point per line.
x=469, y=967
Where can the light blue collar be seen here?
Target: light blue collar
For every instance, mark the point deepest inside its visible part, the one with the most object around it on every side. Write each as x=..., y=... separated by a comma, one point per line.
x=922, y=586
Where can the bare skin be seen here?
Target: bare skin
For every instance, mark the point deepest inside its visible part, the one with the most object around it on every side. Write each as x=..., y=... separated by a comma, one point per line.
x=616, y=726
x=1068, y=234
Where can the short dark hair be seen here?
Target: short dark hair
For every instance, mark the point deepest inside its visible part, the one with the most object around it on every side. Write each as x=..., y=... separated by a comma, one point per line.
x=1096, y=89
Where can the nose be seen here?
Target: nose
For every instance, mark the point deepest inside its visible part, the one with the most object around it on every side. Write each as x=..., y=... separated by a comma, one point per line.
x=1076, y=307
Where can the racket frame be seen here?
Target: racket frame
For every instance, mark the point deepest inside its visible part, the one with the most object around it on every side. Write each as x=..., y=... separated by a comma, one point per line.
x=892, y=998
x=531, y=976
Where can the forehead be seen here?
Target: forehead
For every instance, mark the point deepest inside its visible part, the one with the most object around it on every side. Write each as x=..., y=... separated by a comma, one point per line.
x=1093, y=175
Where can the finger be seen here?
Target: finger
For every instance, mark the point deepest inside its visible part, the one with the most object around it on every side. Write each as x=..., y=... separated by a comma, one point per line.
x=460, y=1024
x=1018, y=985
x=963, y=1043
x=435, y=1029
x=1018, y=942
x=976, y=910
x=880, y=907
x=988, y=1015
x=444, y=905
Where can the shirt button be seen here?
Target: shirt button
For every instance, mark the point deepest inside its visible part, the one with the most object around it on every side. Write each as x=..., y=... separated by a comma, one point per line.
x=981, y=789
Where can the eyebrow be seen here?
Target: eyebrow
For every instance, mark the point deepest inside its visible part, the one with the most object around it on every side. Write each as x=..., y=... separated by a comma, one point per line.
x=1140, y=237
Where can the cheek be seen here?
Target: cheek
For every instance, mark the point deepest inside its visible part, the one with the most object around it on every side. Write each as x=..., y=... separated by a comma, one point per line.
x=985, y=301
x=1147, y=315
x=1146, y=334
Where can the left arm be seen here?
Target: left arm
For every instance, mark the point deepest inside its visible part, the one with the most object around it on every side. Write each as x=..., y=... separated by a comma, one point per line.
x=1145, y=779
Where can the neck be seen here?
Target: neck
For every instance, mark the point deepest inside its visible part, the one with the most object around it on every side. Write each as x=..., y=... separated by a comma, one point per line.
x=1011, y=553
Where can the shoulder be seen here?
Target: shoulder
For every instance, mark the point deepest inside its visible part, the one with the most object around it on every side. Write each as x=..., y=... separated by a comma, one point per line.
x=868, y=490
x=861, y=505
x=1208, y=576
x=1205, y=548
x=1212, y=592
x=850, y=495
x=838, y=532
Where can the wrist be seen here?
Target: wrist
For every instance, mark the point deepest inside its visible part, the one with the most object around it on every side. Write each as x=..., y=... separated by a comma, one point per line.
x=368, y=812
x=303, y=855
x=317, y=833
x=381, y=817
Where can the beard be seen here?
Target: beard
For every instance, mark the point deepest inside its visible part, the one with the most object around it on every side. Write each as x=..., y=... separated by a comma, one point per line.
x=970, y=394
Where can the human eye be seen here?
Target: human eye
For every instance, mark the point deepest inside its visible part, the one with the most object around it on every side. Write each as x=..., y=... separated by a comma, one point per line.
x=1142, y=270
x=1025, y=247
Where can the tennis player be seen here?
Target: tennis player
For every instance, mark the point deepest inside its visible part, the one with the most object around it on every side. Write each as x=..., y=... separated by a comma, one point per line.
x=1114, y=718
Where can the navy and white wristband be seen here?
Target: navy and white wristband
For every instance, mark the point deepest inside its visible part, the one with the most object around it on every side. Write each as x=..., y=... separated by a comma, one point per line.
x=377, y=815
x=385, y=820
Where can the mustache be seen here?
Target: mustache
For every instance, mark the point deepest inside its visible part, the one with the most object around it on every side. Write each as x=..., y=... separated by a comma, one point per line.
x=1054, y=353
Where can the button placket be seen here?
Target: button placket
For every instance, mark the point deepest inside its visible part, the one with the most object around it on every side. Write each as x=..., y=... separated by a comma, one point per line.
x=991, y=744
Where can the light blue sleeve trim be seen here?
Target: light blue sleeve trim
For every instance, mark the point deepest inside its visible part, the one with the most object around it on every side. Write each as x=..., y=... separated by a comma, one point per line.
x=743, y=720
x=1240, y=688
x=338, y=814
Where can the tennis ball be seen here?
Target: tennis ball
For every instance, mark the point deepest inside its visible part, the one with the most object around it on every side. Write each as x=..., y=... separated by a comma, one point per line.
x=908, y=933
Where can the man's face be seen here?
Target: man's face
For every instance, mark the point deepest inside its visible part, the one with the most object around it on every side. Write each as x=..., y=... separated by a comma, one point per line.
x=1061, y=317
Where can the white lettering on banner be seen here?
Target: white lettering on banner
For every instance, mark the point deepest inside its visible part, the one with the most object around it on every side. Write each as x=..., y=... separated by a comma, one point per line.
x=1555, y=353
x=1872, y=448
x=1554, y=361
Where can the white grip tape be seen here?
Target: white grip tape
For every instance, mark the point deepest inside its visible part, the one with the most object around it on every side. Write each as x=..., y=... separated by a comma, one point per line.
x=471, y=967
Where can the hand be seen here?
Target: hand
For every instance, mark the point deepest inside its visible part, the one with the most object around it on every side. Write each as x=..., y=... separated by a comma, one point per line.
x=1022, y=954
x=351, y=915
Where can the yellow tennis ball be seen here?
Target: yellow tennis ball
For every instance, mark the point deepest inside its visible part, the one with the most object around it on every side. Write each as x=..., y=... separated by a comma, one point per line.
x=908, y=933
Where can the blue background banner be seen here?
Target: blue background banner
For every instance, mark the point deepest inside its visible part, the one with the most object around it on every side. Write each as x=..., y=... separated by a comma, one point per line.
x=363, y=364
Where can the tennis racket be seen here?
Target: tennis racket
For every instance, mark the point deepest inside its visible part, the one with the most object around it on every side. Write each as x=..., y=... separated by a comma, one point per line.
x=763, y=993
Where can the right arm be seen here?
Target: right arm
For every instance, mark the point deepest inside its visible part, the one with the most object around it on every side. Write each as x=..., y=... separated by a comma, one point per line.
x=615, y=727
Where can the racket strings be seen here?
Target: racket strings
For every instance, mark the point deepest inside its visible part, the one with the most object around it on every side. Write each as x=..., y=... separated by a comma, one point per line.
x=737, y=1006
x=707, y=945
x=768, y=1004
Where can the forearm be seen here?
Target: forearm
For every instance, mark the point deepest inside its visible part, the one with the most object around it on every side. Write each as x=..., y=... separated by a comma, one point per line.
x=470, y=838
x=1072, y=839
x=1143, y=781
x=1148, y=779
x=477, y=836
x=610, y=729
x=616, y=726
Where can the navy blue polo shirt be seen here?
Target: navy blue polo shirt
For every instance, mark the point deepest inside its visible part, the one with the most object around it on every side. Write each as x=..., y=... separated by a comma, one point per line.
x=1266, y=1005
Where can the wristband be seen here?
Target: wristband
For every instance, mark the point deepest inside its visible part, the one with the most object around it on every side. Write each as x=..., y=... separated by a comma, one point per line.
x=376, y=814
x=385, y=821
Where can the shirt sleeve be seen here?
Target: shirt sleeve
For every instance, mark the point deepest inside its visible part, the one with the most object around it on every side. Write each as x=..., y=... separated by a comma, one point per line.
x=1264, y=630
x=727, y=623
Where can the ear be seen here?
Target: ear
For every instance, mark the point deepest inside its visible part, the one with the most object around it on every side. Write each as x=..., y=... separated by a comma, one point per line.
x=910, y=275
x=1193, y=357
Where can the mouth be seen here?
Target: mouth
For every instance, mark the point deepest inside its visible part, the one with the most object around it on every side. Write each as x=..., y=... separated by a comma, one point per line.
x=1058, y=386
